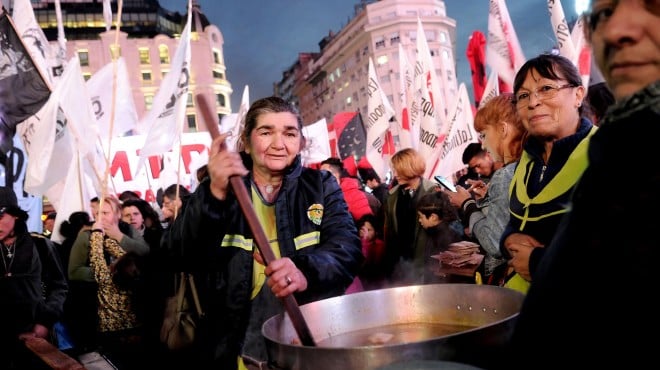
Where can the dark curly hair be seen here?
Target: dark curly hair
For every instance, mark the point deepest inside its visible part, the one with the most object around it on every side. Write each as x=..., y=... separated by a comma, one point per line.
x=438, y=203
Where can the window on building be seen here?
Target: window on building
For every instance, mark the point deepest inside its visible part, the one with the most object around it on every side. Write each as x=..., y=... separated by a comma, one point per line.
x=148, y=101
x=222, y=101
x=383, y=59
x=83, y=57
x=217, y=59
x=192, y=124
x=163, y=73
x=146, y=76
x=87, y=75
x=349, y=100
x=380, y=42
x=164, y=54
x=218, y=75
x=189, y=102
x=394, y=38
x=443, y=37
x=144, y=55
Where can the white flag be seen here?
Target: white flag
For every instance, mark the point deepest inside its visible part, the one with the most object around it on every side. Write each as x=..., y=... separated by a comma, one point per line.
x=60, y=53
x=461, y=134
x=429, y=77
x=491, y=90
x=166, y=118
x=377, y=122
x=562, y=32
x=41, y=134
x=107, y=14
x=503, y=52
x=317, y=147
x=71, y=195
x=99, y=87
x=433, y=123
x=236, y=126
x=45, y=58
x=582, y=51
x=408, y=116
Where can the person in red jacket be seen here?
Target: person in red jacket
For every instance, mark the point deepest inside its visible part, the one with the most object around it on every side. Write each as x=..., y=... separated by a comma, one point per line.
x=356, y=198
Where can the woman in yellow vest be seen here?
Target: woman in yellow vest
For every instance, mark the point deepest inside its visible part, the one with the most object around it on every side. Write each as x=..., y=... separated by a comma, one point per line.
x=549, y=98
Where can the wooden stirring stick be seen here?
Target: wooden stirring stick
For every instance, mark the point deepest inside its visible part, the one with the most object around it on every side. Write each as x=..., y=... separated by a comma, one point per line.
x=290, y=303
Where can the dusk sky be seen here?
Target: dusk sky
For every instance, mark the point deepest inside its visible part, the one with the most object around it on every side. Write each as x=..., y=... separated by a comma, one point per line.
x=263, y=38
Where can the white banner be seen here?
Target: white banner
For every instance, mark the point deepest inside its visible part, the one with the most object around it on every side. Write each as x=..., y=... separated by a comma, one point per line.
x=503, y=51
x=461, y=134
x=377, y=122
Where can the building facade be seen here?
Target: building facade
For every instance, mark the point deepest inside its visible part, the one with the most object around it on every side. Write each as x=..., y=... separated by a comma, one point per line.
x=336, y=79
x=148, y=39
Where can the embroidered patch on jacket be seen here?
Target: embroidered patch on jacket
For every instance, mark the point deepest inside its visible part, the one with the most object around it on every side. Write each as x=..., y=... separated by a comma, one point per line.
x=315, y=213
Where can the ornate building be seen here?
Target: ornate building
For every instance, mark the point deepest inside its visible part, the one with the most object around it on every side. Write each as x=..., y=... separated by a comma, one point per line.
x=147, y=40
x=335, y=79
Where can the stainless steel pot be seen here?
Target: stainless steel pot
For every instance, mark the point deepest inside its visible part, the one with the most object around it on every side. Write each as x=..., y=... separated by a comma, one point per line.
x=482, y=316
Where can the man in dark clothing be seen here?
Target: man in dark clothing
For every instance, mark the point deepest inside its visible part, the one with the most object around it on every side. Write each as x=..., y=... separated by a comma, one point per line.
x=33, y=286
x=373, y=182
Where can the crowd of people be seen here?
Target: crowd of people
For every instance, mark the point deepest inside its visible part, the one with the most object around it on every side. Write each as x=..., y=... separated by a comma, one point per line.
x=537, y=198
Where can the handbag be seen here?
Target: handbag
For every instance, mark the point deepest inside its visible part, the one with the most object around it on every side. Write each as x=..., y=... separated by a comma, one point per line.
x=183, y=312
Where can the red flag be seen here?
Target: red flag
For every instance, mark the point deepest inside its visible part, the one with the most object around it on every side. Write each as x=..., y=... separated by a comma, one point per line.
x=476, y=54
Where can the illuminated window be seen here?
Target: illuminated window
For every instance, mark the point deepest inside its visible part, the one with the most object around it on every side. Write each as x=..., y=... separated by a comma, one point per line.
x=87, y=76
x=144, y=56
x=382, y=60
x=83, y=56
x=164, y=54
x=148, y=101
x=443, y=37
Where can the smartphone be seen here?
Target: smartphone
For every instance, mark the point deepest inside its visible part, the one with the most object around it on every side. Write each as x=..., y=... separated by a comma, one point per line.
x=445, y=183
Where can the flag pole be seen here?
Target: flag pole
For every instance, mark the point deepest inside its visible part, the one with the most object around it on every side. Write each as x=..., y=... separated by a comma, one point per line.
x=114, y=54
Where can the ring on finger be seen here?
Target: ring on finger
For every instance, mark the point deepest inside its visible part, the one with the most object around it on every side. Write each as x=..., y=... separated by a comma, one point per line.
x=288, y=280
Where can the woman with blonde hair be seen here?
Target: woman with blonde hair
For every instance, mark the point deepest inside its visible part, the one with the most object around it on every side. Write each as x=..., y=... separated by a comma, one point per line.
x=117, y=326
x=405, y=241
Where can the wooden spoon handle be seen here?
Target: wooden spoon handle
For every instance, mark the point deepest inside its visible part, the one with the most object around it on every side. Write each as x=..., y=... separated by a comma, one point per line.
x=290, y=303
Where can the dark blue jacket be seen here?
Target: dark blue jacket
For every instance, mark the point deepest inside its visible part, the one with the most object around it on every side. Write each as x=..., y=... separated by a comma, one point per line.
x=216, y=241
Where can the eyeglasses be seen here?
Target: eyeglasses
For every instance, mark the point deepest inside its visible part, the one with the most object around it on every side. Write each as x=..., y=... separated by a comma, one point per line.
x=544, y=92
x=3, y=210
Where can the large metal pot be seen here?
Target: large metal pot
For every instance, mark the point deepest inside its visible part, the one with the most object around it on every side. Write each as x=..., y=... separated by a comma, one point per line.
x=484, y=315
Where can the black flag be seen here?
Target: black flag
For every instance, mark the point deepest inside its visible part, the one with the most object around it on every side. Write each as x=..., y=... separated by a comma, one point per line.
x=23, y=90
x=352, y=137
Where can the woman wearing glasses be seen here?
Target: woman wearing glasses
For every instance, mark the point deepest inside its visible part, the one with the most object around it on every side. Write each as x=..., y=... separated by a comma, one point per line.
x=548, y=95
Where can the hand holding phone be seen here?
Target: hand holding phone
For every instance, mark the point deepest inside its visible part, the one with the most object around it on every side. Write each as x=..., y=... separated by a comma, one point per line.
x=445, y=183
